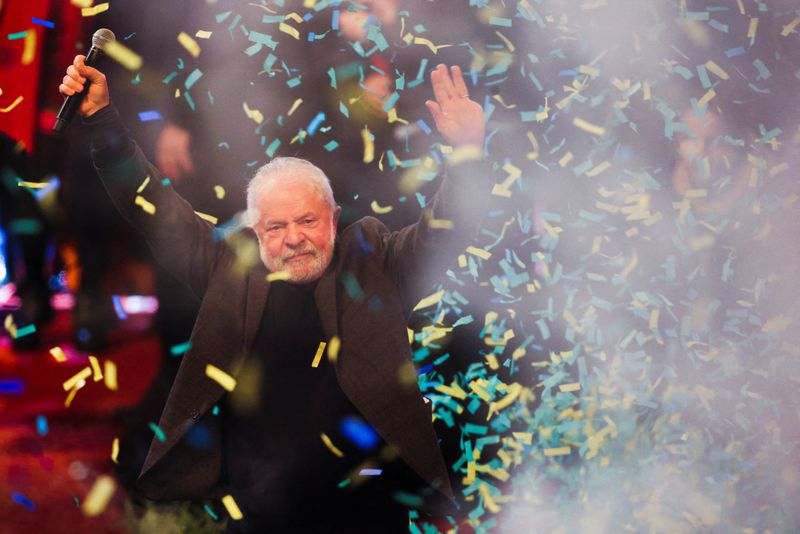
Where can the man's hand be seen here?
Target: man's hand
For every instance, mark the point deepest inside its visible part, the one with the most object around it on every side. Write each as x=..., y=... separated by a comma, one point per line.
x=458, y=119
x=173, y=157
x=75, y=81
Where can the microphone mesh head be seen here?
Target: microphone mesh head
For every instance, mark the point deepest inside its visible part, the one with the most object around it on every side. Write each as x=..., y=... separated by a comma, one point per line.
x=102, y=37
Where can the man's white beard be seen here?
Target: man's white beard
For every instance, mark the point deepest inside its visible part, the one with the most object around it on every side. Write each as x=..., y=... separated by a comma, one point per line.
x=309, y=269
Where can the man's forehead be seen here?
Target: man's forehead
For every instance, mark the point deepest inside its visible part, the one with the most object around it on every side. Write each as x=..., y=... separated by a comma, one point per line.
x=291, y=196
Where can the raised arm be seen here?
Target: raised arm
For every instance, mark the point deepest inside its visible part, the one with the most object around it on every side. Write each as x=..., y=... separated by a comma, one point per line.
x=452, y=218
x=180, y=240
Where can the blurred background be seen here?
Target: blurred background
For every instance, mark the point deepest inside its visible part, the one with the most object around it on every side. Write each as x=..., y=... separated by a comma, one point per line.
x=618, y=349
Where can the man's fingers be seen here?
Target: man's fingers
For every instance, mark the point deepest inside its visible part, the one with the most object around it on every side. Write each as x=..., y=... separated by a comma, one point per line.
x=438, y=86
x=73, y=72
x=458, y=82
x=447, y=83
x=435, y=109
x=66, y=91
x=73, y=84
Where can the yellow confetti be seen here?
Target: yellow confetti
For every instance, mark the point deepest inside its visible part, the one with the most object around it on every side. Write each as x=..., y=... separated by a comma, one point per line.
x=506, y=41
x=124, y=55
x=295, y=106
x=253, y=114
x=98, y=497
x=391, y=116
x=147, y=206
x=33, y=185
x=565, y=159
x=289, y=30
x=318, y=355
x=377, y=208
x=557, y=451
x=328, y=443
x=716, y=69
x=77, y=378
x=789, y=28
x=71, y=396
x=294, y=16
x=369, y=145
x=569, y=388
x=598, y=169
x=232, y=507
x=479, y=252
x=81, y=3
x=97, y=372
x=333, y=349
x=206, y=217
x=752, y=28
x=454, y=390
x=92, y=11
x=29, y=51
x=144, y=184
x=278, y=275
x=591, y=71
x=219, y=191
x=189, y=44
x=110, y=375
x=646, y=91
x=488, y=502
x=588, y=126
x=58, y=354
x=203, y=34
x=703, y=102
x=14, y=104
x=441, y=224
x=309, y=3
x=115, y=450
x=430, y=300
x=220, y=377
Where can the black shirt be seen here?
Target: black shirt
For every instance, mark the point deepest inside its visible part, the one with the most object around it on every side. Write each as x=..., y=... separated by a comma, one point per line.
x=280, y=472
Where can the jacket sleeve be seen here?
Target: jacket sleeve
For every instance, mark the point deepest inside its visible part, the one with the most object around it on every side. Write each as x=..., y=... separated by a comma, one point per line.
x=181, y=241
x=442, y=232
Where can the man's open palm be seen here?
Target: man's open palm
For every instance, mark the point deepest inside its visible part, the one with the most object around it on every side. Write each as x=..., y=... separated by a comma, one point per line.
x=458, y=119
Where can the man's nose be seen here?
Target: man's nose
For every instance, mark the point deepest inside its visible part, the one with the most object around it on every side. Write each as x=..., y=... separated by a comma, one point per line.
x=294, y=237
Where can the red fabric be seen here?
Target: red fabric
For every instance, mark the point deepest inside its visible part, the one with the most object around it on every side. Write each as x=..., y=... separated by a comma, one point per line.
x=37, y=81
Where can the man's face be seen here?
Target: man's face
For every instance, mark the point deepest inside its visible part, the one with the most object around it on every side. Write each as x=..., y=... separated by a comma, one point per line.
x=296, y=230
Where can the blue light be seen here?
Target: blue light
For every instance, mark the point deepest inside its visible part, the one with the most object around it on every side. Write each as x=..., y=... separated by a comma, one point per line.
x=359, y=433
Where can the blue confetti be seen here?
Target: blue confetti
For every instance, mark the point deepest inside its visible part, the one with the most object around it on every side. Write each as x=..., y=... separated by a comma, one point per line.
x=359, y=433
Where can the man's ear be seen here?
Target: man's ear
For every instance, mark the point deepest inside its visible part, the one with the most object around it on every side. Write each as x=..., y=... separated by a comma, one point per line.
x=336, y=214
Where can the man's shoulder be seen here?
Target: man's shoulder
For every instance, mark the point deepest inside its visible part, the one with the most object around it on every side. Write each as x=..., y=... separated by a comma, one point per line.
x=366, y=227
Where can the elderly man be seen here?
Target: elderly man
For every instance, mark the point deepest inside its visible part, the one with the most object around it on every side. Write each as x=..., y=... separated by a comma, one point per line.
x=300, y=449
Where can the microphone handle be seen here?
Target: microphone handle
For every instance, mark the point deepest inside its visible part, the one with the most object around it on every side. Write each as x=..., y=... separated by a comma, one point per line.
x=73, y=102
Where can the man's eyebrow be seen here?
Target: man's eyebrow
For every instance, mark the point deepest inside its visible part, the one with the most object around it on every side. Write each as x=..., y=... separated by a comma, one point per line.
x=306, y=215
x=270, y=222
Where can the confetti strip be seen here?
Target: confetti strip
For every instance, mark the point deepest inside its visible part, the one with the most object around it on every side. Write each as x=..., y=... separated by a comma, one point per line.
x=219, y=191
x=220, y=377
x=99, y=496
x=588, y=127
x=279, y=275
x=96, y=10
x=11, y=106
x=146, y=206
x=58, y=354
x=97, y=373
x=232, y=507
x=78, y=378
x=110, y=375
x=333, y=349
x=331, y=447
x=115, y=450
x=318, y=355
x=206, y=217
x=189, y=44
x=123, y=55
x=380, y=210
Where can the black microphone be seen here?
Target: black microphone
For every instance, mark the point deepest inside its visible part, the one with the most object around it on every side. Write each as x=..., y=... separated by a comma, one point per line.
x=100, y=39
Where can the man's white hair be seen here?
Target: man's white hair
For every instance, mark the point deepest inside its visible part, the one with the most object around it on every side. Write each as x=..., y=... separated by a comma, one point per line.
x=275, y=171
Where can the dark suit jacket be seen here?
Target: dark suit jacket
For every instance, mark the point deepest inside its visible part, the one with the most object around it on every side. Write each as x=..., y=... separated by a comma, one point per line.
x=374, y=356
